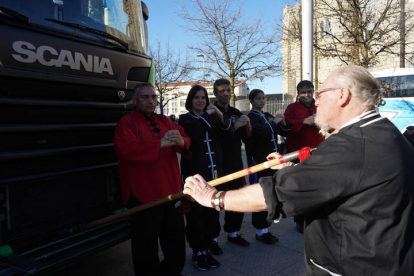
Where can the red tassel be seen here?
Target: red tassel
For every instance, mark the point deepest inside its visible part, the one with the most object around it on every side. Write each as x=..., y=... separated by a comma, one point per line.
x=304, y=153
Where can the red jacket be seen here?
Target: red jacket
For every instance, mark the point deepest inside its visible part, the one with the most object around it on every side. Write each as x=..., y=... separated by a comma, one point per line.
x=301, y=135
x=146, y=169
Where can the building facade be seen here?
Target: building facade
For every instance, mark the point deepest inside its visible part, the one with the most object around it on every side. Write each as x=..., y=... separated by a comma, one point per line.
x=377, y=48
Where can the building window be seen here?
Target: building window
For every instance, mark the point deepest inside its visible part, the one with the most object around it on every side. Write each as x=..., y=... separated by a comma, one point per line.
x=321, y=30
x=329, y=27
x=411, y=60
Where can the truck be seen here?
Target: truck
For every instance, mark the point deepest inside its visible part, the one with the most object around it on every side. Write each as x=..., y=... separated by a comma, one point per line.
x=67, y=74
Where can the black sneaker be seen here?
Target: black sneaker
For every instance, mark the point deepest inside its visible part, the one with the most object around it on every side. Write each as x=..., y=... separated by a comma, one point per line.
x=200, y=261
x=215, y=248
x=267, y=238
x=239, y=240
x=211, y=260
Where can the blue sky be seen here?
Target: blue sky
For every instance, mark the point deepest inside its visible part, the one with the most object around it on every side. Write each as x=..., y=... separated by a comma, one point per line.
x=164, y=22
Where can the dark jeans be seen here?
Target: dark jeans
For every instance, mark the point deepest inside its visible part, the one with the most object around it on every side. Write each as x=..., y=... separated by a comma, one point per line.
x=166, y=223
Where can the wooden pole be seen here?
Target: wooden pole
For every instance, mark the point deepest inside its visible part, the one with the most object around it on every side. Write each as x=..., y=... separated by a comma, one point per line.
x=257, y=168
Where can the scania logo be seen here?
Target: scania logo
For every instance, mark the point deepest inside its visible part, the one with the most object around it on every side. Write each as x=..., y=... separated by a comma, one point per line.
x=48, y=56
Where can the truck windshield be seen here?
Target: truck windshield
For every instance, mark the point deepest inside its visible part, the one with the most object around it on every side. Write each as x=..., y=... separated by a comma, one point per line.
x=123, y=20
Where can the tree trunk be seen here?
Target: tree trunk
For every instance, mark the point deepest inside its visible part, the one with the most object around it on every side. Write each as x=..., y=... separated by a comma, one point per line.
x=233, y=96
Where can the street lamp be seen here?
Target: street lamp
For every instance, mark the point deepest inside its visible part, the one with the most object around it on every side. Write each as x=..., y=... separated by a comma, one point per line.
x=204, y=73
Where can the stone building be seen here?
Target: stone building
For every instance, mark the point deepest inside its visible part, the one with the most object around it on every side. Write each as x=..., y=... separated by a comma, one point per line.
x=329, y=28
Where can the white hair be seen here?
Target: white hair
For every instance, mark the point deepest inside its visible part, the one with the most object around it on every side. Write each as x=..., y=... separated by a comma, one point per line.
x=362, y=85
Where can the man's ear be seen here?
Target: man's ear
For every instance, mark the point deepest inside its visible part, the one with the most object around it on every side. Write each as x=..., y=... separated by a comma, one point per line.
x=344, y=96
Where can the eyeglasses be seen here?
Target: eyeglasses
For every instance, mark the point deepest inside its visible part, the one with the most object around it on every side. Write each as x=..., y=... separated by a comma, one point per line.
x=320, y=91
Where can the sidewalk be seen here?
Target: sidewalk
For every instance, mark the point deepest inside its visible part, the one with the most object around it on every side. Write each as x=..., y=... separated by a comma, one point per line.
x=284, y=258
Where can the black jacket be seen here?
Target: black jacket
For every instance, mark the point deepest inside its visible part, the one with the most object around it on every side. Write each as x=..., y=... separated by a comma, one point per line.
x=357, y=194
x=205, y=133
x=263, y=140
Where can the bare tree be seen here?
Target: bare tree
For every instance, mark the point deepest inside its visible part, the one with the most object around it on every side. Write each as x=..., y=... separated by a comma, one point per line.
x=364, y=30
x=233, y=45
x=170, y=68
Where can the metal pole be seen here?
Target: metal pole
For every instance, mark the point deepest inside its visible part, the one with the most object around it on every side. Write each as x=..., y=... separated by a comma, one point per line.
x=204, y=71
x=307, y=40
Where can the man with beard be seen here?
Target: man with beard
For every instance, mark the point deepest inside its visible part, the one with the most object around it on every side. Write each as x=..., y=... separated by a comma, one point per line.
x=304, y=133
x=356, y=190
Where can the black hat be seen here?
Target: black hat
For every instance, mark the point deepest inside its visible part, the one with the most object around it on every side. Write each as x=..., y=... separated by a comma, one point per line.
x=410, y=128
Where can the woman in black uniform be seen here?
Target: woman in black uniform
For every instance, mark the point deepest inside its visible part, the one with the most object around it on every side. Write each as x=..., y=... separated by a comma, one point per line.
x=204, y=124
x=263, y=141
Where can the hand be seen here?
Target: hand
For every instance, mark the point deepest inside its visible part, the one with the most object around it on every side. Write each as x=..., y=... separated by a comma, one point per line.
x=279, y=118
x=275, y=155
x=241, y=122
x=174, y=136
x=166, y=143
x=310, y=120
x=212, y=109
x=199, y=189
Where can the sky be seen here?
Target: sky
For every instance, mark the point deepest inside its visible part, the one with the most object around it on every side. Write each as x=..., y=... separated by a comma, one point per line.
x=164, y=22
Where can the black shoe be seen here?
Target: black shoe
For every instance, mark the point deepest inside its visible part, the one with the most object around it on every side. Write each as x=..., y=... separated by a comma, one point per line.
x=299, y=227
x=238, y=240
x=211, y=260
x=215, y=248
x=200, y=261
x=267, y=238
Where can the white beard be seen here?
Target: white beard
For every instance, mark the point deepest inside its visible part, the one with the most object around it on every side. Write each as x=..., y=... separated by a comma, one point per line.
x=323, y=126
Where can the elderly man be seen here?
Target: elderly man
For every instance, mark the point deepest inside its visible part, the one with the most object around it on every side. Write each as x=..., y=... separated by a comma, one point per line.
x=147, y=145
x=356, y=191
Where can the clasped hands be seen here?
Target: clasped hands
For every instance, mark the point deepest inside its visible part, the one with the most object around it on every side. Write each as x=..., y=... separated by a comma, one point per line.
x=172, y=138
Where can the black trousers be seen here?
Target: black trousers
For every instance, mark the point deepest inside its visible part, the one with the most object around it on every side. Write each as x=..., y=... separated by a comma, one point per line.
x=166, y=224
x=259, y=219
x=202, y=226
x=232, y=220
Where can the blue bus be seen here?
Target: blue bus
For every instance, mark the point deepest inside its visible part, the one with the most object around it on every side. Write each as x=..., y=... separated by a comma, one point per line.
x=398, y=92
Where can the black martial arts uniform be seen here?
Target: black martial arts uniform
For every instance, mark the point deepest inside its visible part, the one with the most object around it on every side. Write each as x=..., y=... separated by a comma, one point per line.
x=357, y=194
x=261, y=143
x=233, y=162
x=205, y=132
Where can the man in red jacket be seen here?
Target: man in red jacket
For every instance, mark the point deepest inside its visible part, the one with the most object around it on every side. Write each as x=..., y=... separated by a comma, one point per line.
x=147, y=145
x=301, y=117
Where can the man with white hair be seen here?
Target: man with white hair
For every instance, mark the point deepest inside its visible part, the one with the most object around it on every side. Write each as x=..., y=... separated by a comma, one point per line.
x=356, y=190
